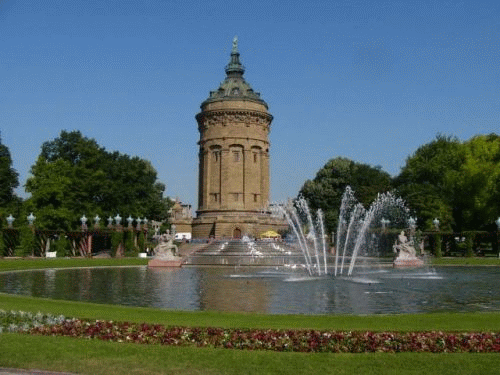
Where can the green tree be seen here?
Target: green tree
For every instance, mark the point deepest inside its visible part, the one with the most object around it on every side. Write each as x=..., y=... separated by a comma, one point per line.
x=132, y=185
x=424, y=181
x=477, y=183
x=457, y=182
x=74, y=176
x=8, y=177
x=326, y=189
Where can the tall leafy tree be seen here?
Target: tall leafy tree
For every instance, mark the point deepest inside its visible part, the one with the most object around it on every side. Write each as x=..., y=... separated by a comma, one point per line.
x=477, y=184
x=74, y=176
x=326, y=189
x=425, y=182
x=457, y=182
x=8, y=177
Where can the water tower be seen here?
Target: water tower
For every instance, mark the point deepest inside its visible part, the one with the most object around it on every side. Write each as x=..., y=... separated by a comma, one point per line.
x=233, y=186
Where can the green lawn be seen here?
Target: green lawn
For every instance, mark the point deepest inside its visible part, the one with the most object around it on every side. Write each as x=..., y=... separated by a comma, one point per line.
x=97, y=357
x=464, y=261
x=403, y=322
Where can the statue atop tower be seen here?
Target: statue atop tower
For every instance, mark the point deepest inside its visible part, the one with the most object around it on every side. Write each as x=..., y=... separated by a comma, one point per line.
x=235, y=45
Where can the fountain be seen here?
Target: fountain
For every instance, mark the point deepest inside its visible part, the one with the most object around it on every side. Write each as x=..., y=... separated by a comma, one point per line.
x=362, y=239
x=297, y=278
x=361, y=233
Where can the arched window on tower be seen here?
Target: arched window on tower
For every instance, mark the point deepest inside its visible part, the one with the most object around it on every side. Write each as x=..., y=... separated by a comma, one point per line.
x=256, y=153
x=237, y=153
x=216, y=153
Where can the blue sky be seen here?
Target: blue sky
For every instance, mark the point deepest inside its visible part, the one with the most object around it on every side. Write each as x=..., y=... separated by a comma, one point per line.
x=368, y=80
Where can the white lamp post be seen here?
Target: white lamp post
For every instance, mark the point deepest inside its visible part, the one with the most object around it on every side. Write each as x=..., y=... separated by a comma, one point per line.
x=31, y=219
x=129, y=221
x=436, y=223
x=84, y=220
x=10, y=219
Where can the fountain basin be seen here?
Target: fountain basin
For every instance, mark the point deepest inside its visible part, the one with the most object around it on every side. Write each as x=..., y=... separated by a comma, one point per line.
x=269, y=290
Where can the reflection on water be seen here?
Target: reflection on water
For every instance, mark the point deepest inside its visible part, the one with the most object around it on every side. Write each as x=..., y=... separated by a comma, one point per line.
x=274, y=291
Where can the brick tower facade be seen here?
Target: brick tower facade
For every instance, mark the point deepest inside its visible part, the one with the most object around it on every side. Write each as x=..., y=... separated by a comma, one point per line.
x=233, y=184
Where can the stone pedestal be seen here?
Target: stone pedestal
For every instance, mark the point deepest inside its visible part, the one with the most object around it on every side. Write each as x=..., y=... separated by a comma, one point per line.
x=157, y=262
x=407, y=262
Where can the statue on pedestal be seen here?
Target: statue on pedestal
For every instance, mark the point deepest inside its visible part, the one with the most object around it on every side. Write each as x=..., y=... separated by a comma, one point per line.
x=166, y=249
x=405, y=249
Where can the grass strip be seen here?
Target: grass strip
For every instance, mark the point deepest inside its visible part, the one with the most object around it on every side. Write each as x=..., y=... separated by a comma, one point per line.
x=7, y=264
x=457, y=322
x=464, y=261
x=16, y=264
x=98, y=357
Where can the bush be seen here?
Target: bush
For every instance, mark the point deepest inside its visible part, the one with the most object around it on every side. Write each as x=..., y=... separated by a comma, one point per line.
x=10, y=241
x=469, y=243
x=116, y=243
x=2, y=250
x=141, y=241
x=130, y=248
x=28, y=242
x=437, y=246
x=62, y=245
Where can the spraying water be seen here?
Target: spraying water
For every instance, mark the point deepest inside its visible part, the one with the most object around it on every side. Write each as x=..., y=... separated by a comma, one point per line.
x=352, y=230
x=348, y=201
x=356, y=231
x=292, y=216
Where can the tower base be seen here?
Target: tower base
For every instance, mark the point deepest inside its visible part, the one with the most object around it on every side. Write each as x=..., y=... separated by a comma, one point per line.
x=235, y=225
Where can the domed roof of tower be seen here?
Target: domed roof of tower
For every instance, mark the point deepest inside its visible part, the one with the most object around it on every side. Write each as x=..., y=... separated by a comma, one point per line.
x=234, y=86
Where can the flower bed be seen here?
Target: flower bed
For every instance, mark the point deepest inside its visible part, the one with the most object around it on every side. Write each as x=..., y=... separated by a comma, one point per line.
x=276, y=340
x=252, y=339
x=20, y=321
